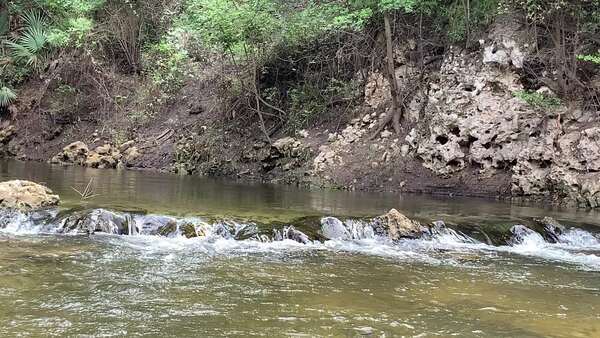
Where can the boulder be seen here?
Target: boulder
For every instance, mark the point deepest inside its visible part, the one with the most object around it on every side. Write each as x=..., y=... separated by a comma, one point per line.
x=333, y=228
x=76, y=153
x=190, y=230
x=97, y=160
x=287, y=147
x=7, y=133
x=245, y=231
x=552, y=228
x=104, y=149
x=155, y=225
x=400, y=226
x=520, y=233
x=97, y=220
x=289, y=232
x=129, y=155
x=126, y=145
x=26, y=195
x=104, y=156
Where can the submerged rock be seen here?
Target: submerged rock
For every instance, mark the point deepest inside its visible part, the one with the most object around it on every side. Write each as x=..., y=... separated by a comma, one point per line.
x=552, y=228
x=291, y=233
x=155, y=225
x=97, y=220
x=333, y=228
x=190, y=230
x=26, y=195
x=519, y=233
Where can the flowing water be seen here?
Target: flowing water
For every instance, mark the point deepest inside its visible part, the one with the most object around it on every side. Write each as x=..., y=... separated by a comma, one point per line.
x=452, y=282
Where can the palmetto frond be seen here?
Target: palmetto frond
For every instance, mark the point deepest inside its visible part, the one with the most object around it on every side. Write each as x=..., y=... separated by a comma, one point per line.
x=7, y=96
x=29, y=47
x=34, y=19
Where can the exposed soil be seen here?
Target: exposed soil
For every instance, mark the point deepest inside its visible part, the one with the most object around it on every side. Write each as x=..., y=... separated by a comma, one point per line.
x=188, y=137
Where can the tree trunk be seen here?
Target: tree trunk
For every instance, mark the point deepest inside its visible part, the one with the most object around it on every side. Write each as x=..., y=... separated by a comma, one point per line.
x=391, y=74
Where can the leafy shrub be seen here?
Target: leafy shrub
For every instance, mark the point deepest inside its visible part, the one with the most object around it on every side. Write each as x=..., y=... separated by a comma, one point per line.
x=74, y=32
x=538, y=100
x=7, y=96
x=590, y=58
x=165, y=64
x=308, y=102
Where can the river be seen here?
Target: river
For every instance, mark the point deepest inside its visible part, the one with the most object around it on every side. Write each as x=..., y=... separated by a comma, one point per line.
x=449, y=284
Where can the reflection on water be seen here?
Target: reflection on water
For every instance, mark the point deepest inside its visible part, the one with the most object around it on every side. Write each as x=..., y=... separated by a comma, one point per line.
x=188, y=195
x=448, y=285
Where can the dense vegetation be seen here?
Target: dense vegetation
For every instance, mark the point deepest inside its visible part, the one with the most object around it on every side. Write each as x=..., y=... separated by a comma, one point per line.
x=286, y=63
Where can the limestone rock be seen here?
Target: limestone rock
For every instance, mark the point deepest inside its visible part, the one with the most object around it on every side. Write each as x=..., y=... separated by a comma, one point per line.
x=400, y=226
x=288, y=147
x=7, y=133
x=74, y=153
x=190, y=230
x=104, y=149
x=97, y=220
x=26, y=195
x=552, y=228
x=155, y=225
x=126, y=145
x=520, y=233
x=102, y=157
x=291, y=233
x=130, y=155
x=333, y=228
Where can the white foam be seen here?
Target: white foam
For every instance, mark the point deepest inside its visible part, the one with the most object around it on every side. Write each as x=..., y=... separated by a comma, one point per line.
x=577, y=247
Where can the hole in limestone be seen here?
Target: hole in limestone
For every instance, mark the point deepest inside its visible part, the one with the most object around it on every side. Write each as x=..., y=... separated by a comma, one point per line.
x=455, y=131
x=469, y=88
x=442, y=139
x=545, y=164
x=454, y=163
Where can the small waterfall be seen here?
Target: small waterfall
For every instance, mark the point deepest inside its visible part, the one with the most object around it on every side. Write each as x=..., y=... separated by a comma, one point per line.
x=333, y=228
x=570, y=245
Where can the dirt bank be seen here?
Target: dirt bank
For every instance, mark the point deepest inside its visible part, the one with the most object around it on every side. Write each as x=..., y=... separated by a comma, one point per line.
x=467, y=132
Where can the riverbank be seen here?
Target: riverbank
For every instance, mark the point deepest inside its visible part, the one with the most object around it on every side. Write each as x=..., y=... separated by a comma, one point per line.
x=479, y=123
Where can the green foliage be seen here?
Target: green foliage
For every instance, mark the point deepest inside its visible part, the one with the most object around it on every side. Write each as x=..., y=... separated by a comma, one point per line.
x=538, y=100
x=165, y=64
x=308, y=102
x=7, y=96
x=595, y=58
x=70, y=8
x=230, y=25
x=463, y=20
x=30, y=46
x=12, y=73
x=74, y=32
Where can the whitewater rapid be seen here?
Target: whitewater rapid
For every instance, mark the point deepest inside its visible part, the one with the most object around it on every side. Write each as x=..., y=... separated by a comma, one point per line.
x=575, y=247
